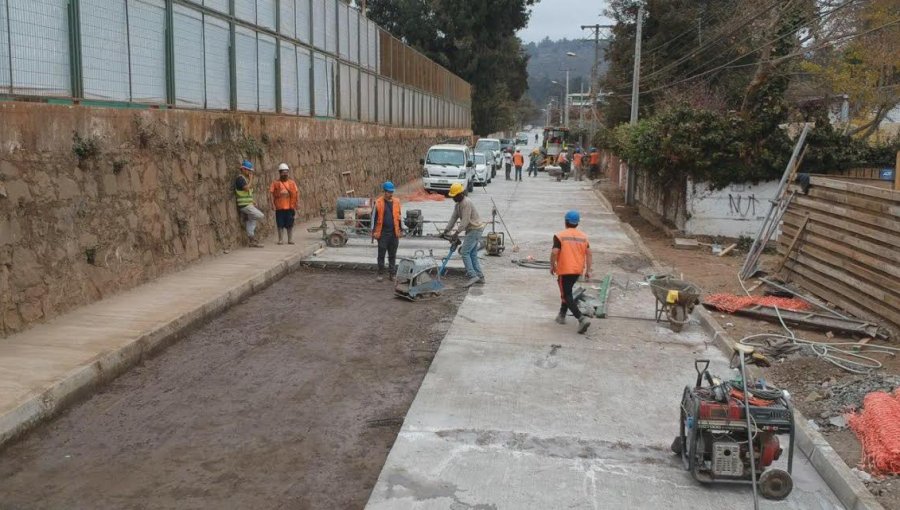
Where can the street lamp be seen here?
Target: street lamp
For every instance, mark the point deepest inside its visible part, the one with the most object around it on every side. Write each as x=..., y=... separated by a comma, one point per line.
x=566, y=117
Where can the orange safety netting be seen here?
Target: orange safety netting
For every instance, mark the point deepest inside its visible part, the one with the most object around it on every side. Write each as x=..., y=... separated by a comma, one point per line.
x=878, y=430
x=421, y=195
x=731, y=303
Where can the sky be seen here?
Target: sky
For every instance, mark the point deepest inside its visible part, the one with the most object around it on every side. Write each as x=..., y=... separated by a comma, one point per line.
x=558, y=19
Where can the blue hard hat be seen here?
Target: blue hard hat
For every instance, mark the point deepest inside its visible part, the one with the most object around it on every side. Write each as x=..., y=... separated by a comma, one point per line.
x=247, y=165
x=388, y=186
x=573, y=218
x=593, y=149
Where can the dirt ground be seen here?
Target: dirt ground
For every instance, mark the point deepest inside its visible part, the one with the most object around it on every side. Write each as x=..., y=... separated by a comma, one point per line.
x=822, y=391
x=291, y=399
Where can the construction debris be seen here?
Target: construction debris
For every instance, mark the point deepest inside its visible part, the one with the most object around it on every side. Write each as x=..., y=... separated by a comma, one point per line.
x=686, y=244
x=878, y=430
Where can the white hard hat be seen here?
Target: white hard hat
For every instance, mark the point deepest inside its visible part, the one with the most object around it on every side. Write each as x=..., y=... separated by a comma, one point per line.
x=283, y=166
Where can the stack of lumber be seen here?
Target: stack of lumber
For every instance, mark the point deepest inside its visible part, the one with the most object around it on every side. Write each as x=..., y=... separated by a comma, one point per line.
x=848, y=251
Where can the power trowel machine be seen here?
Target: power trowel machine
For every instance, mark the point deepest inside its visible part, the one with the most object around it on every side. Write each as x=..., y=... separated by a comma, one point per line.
x=729, y=430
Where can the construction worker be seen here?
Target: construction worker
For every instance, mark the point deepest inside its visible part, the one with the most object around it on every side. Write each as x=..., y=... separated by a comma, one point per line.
x=471, y=224
x=243, y=191
x=386, y=230
x=570, y=258
x=563, y=161
x=577, y=164
x=285, y=198
x=518, y=162
x=595, y=164
x=534, y=163
x=507, y=162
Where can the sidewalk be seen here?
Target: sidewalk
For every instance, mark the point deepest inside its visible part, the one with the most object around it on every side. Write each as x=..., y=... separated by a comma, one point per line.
x=49, y=365
x=518, y=412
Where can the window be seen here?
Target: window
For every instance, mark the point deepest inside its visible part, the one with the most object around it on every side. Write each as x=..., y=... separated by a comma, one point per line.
x=304, y=66
x=217, y=41
x=246, y=57
x=287, y=59
x=190, y=89
x=446, y=157
x=266, y=73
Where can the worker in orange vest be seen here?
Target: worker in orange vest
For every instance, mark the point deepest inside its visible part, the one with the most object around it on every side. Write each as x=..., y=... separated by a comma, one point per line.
x=386, y=228
x=595, y=164
x=578, y=157
x=563, y=161
x=518, y=162
x=571, y=258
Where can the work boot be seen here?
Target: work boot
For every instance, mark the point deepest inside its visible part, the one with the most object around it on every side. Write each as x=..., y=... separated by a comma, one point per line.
x=379, y=277
x=254, y=243
x=472, y=281
x=583, y=324
x=290, y=235
x=481, y=280
x=561, y=318
x=280, y=236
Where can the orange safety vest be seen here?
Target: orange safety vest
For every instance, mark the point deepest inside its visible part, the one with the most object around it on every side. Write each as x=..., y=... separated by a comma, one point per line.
x=595, y=158
x=563, y=158
x=518, y=159
x=573, y=251
x=578, y=157
x=379, y=216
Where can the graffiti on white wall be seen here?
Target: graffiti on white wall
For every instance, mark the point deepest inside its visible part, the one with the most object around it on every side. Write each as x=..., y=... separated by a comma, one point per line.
x=736, y=210
x=742, y=205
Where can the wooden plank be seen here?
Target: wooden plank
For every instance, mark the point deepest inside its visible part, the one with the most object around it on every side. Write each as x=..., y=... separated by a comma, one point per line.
x=853, y=187
x=897, y=173
x=837, y=290
x=852, y=234
x=850, y=252
x=822, y=291
x=860, y=202
x=883, y=222
x=791, y=246
x=848, y=222
x=864, y=280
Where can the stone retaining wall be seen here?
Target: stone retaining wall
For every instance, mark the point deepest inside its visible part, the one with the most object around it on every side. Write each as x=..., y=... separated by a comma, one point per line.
x=95, y=200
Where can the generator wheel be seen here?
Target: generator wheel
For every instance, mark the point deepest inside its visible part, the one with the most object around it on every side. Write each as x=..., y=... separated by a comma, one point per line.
x=775, y=484
x=336, y=239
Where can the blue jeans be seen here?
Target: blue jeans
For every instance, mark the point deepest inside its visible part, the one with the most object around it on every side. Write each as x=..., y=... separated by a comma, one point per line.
x=469, y=252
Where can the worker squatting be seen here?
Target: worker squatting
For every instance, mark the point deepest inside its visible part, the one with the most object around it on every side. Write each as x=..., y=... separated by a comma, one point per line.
x=570, y=257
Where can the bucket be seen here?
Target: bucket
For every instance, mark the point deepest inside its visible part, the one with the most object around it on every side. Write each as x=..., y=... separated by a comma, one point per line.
x=345, y=203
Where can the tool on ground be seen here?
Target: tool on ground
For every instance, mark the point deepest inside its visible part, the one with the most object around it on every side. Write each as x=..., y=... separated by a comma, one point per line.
x=415, y=222
x=590, y=304
x=495, y=242
x=455, y=242
x=418, y=277
x=728, y=431
x=336, y=238
x=675, y=298
x=515, y=247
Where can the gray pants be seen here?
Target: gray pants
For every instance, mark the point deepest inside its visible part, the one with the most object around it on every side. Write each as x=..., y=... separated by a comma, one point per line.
x=251, y=216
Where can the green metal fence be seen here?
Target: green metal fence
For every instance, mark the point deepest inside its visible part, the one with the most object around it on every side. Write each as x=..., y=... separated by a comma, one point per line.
x=318, y=58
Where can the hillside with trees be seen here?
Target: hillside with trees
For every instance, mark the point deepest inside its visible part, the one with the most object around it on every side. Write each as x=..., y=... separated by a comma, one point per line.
x=547, y=62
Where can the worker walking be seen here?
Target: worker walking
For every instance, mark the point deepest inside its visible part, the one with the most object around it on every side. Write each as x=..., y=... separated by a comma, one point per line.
x=518, y=162
x=386, y=229
x=507, y=162
x=570, y=258
x=243, y=191
x=285, y=198
x=595, y=164
x=470, y=223
x=577, y=164
x=563, y=161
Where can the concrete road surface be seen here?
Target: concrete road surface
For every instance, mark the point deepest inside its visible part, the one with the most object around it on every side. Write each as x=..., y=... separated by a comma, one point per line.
x=518, y=412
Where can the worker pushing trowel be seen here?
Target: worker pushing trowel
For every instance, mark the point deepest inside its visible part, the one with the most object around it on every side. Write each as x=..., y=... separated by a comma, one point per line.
x=466, y=215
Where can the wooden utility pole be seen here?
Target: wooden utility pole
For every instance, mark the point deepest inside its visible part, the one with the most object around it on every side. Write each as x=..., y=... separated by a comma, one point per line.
x=635, y=94
x=897, y=172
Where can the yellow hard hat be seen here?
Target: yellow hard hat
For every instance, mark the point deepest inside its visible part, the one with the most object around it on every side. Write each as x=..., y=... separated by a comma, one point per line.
x=455, y=189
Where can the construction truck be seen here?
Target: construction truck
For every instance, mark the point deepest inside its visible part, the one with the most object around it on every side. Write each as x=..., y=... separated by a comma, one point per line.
x=556, y=139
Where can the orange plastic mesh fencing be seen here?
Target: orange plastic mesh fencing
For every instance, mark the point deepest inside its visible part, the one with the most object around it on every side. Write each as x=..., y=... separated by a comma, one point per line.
x=878, y=428
x=421, y=195
x=731, y=303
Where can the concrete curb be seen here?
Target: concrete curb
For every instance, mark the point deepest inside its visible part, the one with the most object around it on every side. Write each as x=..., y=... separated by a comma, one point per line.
x=852, y=493
x=83, y=380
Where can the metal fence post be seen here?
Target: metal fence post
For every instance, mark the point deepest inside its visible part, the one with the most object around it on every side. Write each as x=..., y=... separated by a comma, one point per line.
x=232, y=60
x=75, y=70
x=170, y=53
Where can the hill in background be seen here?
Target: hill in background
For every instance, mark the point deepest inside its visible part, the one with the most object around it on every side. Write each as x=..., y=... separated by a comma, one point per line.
x=547, y=62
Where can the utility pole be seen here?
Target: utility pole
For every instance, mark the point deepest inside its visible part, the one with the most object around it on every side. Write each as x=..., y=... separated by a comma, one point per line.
x=635, y=93
x=566, y=115
x=595, y=70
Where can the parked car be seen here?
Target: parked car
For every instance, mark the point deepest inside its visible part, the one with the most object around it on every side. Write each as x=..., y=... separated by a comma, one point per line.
x=507, y=144
x=483, y=170
x=491, y=146
x=446, y=165
x=522, y=138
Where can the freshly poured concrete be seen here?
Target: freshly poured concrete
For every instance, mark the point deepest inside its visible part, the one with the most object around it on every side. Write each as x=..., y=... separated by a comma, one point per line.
x=518, y=412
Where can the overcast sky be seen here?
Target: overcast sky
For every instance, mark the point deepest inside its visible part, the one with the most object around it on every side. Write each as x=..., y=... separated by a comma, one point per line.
x=558, y=19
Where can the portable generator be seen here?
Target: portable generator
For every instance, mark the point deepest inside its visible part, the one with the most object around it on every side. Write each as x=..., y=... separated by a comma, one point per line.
x=719, y=442
x=494, y=243
x=414, y=222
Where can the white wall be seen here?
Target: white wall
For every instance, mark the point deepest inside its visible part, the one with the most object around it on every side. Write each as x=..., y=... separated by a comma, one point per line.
x=737, y=210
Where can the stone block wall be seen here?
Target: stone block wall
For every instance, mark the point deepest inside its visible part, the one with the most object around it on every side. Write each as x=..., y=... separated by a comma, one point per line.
x=96, y=200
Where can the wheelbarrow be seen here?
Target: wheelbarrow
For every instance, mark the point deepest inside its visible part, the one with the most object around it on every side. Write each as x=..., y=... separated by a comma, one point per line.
x=675, y=298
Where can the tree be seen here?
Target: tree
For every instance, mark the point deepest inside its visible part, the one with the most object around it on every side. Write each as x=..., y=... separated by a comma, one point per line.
x=472, y=38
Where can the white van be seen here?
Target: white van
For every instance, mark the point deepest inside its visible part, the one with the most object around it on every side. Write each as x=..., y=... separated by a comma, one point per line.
x=446, y=165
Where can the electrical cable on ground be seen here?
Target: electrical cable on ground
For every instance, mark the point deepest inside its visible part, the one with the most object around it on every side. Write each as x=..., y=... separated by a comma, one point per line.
x=831, y=352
